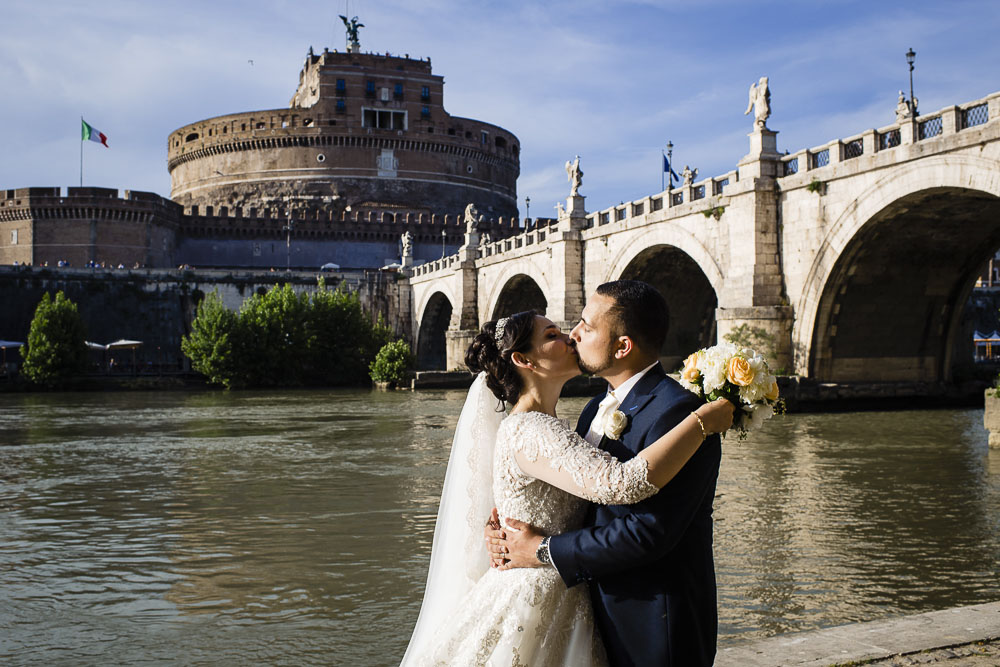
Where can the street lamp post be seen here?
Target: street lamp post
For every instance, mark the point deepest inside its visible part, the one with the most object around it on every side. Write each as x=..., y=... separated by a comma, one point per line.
x=911, y=56
x=670, y=163
x=288, y=240
x=527, y=208
x=444, y=235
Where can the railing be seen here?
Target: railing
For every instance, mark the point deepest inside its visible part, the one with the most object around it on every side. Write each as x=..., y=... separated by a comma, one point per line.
x=889, y=139
x=820, y=158
x=977, y=115
x=929, y=128
x=974, y=115
x=853, y=149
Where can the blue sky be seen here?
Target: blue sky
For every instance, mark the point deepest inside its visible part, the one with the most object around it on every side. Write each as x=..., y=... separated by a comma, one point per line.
x=611, y=81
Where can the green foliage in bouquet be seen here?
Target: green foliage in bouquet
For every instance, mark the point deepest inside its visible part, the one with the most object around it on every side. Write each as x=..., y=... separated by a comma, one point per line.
x=56, y=351
x=284, y=339
x=392, y=362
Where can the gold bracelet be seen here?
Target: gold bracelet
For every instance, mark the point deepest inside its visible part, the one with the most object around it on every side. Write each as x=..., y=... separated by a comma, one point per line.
x=704, y=431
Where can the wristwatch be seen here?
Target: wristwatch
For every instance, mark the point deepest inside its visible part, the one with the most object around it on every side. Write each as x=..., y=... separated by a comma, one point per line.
x=542, y=552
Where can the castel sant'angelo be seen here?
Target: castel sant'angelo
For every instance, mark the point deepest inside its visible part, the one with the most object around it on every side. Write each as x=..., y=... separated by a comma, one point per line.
x=364, y=153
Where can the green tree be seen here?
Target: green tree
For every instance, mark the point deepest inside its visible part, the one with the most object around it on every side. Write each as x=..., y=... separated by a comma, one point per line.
x=210, y=345
x=274, y=338
x=285, y=339
x=56, y=349
x=392, y=362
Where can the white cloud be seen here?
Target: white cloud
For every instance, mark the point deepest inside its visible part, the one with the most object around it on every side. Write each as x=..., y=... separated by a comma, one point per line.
x=610, y=81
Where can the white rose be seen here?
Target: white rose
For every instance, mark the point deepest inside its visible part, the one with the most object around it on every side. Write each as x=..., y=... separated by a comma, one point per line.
x=614, y=424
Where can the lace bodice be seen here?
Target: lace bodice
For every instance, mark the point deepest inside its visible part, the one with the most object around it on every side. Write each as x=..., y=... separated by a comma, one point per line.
x=543, y=472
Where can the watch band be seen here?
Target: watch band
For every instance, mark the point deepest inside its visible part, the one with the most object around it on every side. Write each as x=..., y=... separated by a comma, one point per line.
x=542, y=553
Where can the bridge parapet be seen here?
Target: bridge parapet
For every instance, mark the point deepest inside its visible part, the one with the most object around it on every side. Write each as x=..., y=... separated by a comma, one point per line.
x=948, y=121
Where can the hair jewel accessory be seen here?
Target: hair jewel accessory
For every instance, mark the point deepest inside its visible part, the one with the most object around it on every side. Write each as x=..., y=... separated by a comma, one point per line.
x=498, y=334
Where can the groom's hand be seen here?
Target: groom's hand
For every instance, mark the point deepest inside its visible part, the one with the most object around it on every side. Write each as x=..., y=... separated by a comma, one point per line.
x=520, y=544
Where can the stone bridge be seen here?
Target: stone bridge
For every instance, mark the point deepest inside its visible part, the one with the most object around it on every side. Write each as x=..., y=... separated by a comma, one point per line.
x=856, y=256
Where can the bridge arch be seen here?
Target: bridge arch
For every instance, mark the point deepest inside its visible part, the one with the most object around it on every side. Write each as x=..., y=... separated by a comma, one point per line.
x=884, y=295
x=518, y=293
x=518, y=286
x=687, y=277
x=431, y=344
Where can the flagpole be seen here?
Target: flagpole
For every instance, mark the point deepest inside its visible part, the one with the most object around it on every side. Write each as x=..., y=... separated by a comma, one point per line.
x=81, y=151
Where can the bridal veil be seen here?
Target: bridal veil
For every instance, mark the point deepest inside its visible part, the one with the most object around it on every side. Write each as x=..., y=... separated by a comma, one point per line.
x=458, y=554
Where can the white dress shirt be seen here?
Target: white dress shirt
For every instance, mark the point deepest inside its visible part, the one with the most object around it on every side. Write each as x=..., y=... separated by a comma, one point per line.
x=610, y=403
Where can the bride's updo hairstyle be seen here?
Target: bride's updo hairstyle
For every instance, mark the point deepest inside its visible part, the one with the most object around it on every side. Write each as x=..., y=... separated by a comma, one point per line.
x=491, y=349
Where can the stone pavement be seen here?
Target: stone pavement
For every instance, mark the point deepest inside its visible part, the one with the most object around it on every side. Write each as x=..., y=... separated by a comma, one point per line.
x=960, y=637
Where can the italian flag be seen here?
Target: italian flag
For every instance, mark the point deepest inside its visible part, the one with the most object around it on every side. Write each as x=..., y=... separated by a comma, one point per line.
x=93, y=134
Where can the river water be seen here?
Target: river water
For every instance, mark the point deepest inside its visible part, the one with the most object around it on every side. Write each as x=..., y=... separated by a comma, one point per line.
x=294, y=528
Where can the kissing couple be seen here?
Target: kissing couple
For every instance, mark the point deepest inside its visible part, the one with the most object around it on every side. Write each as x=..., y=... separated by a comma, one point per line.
x=604, y=553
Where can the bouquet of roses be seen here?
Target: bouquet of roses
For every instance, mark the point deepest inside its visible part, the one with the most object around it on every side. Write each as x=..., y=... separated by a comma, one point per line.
x=738, y=374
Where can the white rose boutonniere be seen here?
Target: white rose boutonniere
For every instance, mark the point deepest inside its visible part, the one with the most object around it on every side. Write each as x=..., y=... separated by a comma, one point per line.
x=614, y=424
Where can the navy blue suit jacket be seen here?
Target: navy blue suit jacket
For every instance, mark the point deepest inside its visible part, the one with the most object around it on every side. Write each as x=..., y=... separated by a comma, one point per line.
x=649, y=565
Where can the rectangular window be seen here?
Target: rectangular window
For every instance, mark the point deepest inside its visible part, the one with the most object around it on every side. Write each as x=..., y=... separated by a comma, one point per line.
x=370, y=88
x=341, y=86
x=13, y=237
x=397, y=91
x=484, y=137
x=341, y=106
x=425, y=93
x=383, y=119
x=425, y=112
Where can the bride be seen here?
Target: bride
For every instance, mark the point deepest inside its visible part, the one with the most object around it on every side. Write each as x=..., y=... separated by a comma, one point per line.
x=536, y=469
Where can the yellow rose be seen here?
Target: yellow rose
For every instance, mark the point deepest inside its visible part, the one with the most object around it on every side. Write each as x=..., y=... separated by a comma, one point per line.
x=739, y=372
x=772, y=392
x=691, y=372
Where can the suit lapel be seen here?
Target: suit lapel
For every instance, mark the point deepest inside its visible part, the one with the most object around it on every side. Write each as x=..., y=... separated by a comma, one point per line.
x=642, y=392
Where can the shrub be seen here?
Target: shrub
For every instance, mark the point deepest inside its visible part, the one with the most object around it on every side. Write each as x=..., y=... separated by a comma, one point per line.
x=56, y=349
x=392, y=362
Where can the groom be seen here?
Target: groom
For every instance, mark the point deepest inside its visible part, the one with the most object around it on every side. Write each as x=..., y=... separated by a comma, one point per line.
x=649, y=566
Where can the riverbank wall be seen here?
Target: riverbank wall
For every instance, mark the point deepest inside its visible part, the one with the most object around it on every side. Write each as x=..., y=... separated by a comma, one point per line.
x=156, y=306
x=960, y=637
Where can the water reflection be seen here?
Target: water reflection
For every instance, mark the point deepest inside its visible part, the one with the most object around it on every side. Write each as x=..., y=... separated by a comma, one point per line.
x=294, y=528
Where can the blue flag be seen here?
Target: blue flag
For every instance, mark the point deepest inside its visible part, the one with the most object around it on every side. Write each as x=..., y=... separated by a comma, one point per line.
x=667, y=168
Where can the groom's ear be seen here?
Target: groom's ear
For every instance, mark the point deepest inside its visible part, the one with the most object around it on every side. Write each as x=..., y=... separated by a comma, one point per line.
x=624, y=346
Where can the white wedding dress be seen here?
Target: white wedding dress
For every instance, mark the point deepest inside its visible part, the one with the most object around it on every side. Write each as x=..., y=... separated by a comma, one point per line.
x=543, y=474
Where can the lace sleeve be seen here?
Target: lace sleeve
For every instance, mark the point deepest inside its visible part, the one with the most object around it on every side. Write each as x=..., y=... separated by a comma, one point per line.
x=547, y=450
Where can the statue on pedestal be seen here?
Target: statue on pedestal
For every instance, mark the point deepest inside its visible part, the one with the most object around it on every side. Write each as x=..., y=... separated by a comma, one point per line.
x=407, y=239
x=760, y=102
x=689, y=175
x=472, y=219
x=575, y=176
x=353, y=45
x=904, y=108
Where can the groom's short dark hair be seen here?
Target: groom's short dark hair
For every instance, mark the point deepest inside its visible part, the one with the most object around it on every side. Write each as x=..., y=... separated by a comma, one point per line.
x=640, y=312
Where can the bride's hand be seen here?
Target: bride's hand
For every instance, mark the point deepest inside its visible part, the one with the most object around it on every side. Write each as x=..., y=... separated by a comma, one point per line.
x=493, y=535
x=717, y=415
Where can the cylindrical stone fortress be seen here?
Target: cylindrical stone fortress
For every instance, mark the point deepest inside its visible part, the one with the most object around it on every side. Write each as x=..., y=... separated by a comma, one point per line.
x=364, y=131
